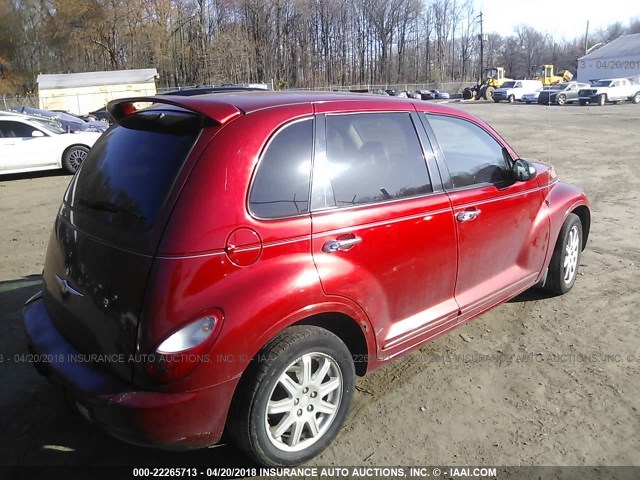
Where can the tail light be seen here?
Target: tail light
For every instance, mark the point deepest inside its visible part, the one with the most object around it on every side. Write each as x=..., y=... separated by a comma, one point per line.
x=179, y=353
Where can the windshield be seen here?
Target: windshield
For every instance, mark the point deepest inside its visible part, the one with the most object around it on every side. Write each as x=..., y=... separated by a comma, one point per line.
x=508, y=84
x=491, y=72
x=602, y=83
x=559, y=86
x=49, y=126
x=538, y=72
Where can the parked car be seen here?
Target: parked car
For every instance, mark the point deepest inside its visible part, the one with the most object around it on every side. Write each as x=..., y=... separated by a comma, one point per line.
x=424, y=95
x=431, y=94
x=514, y=90
x=439, y=94
x=70, y=123
x=561, y=93
x=610, y=90
x=102, y=115
x=30, y=143
x=531, y=97
x=233, y=262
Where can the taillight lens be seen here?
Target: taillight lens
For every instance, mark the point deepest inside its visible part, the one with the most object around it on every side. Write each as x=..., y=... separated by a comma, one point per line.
x=179, y=353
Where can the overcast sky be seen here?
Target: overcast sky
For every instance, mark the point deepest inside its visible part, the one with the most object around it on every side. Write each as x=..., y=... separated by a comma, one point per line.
x=559, y=18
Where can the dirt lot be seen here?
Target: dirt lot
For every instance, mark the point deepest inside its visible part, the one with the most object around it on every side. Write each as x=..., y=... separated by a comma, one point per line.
x=562, y=387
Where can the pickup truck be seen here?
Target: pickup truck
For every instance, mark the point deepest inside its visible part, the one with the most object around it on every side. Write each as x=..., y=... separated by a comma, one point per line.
x=610, y=90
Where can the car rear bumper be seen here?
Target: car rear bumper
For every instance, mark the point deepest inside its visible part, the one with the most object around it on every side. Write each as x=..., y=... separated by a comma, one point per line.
x=192, y=419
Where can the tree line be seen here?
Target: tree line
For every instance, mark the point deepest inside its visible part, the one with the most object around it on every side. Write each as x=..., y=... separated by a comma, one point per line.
x=294, y=43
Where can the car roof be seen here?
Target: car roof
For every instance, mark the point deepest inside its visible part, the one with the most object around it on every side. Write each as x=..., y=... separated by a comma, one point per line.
x=187, y=92
x=5, y=115
x=222, y=107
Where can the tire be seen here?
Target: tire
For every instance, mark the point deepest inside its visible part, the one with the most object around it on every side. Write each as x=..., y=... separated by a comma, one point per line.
x=496, y=100
x=488, y=92
x=511, y=99
x=273, y=378
x=467, y=94
x=561, y=99
x=582, y=102
x=565, y=261
x=602, y=99
x=636, y=98
x=73, y=157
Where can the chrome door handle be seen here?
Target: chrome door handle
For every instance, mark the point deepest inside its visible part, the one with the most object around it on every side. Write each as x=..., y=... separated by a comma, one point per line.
x=336, y=245
x=468, y=215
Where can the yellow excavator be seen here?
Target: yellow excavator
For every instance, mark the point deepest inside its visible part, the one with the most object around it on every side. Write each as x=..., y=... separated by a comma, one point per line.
x=545, y=74
x=493, y=78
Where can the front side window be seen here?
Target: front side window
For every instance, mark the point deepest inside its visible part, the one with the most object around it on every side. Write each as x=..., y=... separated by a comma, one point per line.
x=370, y=157
x=16, y=130
x=473, y=157
x=281, y=184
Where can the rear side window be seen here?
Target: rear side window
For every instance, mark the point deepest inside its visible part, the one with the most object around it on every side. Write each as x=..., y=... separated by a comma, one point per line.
x=130, y=170
x=371, y=157
x=281, y=184
x=473, y=157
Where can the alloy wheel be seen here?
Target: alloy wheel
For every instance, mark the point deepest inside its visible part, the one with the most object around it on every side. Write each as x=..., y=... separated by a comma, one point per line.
x=304, y=402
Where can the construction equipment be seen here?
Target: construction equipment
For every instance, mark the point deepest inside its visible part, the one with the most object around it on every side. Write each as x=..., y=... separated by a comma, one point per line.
x=493, y=78
x=545, y=74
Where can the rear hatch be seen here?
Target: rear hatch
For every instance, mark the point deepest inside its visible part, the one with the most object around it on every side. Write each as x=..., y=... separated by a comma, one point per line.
x=108, y=229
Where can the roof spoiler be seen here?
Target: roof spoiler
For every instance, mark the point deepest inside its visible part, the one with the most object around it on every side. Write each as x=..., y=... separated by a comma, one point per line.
x=217, y=111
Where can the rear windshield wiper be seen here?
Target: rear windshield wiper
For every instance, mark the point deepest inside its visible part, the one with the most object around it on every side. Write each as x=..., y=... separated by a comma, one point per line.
x=108, y=207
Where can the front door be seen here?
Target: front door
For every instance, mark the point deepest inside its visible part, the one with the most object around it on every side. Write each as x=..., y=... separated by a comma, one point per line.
x=502, y=225
x=21, y=149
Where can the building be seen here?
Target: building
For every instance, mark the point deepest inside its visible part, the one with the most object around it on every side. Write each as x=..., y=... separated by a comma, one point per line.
x=619, y=58
x=81, y=93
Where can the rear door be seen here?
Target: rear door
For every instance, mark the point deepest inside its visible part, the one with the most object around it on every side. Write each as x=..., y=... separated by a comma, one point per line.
x=501, y=225
x=382, y=228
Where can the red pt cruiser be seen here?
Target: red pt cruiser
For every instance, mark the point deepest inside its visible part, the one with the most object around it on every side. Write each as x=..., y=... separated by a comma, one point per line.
x=233, y=261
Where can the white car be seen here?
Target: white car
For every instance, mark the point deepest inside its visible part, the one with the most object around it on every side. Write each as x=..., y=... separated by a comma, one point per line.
x=514, y=90
x=29, y=144
x=610, y=90
x=531, y=97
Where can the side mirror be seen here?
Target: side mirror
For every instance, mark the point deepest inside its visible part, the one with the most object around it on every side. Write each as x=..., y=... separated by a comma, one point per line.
x=523, y=171
x=37, y=133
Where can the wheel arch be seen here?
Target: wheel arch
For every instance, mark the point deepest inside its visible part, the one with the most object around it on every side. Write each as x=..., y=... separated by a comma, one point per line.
x=348, y=330
x=75, y=145
x=584, y=215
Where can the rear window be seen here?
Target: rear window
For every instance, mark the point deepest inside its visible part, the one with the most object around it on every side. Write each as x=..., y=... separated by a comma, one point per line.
x=129, y=172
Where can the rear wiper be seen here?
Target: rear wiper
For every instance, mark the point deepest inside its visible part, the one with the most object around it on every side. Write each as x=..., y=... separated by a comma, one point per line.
x=108, y=207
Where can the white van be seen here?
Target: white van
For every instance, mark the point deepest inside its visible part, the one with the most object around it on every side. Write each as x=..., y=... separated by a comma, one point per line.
x=514, y=89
